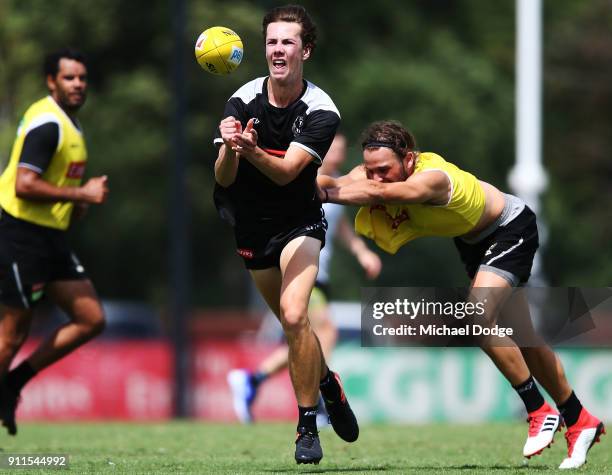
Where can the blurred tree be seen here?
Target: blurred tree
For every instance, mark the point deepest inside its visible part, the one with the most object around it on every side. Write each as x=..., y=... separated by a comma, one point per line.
x=578, y=143
x=445, y=68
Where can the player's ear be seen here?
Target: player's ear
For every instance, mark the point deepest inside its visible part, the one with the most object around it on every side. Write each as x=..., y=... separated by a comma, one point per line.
x=50, y=82
x=409, y=160
x=306, y=52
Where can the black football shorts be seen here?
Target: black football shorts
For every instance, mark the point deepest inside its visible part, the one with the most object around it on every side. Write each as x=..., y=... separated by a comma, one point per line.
x=261, y=247
x=30, y=257
x=508, y=251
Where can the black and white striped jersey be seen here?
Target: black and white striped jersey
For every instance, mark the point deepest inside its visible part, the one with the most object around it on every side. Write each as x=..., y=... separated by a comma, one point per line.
x=310, y=123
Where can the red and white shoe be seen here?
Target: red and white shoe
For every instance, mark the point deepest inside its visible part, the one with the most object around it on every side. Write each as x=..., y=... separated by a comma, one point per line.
x=580, y=438
x=543, y=423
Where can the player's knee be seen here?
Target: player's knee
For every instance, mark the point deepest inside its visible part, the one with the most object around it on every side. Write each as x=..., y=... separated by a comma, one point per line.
x=294, y=320
x=96, y=324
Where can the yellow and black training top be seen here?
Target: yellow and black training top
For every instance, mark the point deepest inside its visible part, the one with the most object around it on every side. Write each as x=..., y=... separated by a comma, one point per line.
x=64, y=167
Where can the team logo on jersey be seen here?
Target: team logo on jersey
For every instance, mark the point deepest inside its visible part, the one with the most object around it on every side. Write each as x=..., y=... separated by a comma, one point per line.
x=76, y=170
x=298, y=123
x=396, y=220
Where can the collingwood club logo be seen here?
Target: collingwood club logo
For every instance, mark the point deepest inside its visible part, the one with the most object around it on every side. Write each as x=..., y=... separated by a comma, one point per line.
x=298, y=123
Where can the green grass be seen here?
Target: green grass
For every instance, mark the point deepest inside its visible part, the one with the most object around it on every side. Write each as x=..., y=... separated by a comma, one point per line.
x=191, y=447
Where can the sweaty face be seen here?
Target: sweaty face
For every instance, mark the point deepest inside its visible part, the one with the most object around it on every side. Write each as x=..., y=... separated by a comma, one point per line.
x=285, y=53
x=383, y=165
x=69, y=86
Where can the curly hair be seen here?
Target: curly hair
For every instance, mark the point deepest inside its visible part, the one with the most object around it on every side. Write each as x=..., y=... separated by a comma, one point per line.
x=390, y=134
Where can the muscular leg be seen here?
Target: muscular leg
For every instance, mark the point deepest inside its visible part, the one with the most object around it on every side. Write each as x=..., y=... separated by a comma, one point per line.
x=79, y=300
x=547, y=369
x=516, y=364
x=543, y=363
x=14, y=329
x=324, y=329
x=505, y=354
x=299, y=267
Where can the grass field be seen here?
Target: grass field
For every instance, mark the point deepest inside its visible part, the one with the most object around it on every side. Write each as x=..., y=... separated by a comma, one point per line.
x=188, y=447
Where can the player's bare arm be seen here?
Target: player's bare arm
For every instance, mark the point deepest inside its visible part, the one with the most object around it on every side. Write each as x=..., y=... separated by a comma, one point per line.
x=30, y=185
x=369, y=261
x=326, y=181
x=226, y=165
x=432, y=187
x=280, y=170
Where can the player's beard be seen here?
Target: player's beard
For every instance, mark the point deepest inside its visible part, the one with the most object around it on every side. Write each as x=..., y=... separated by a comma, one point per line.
x=71, y=103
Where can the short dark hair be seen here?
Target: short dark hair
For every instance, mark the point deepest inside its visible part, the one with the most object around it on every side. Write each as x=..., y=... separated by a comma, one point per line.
x=293, y=14
x=52, y=60
x=390, y=134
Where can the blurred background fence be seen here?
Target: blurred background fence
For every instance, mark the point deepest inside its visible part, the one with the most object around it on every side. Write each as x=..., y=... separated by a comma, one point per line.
x=130, y=376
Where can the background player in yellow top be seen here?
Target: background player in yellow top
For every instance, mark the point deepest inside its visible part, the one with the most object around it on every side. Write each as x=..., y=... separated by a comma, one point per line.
x=406, y=194
x=39, y=190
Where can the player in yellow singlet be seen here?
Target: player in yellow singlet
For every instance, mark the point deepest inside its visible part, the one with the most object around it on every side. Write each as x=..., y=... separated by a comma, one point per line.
x=40, y=189
x=405, y=194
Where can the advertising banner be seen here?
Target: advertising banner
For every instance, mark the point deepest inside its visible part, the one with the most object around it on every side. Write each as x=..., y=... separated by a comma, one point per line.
x=132, y=380
x=125, y=380
x=418, y=385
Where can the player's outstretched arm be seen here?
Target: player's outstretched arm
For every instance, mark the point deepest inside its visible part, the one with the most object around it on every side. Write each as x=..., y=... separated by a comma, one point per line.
x=326, y=182
x=432, y=187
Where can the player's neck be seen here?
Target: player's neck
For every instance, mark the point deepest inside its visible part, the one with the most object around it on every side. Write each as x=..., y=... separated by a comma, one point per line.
x=282, y=95
x=69, y=111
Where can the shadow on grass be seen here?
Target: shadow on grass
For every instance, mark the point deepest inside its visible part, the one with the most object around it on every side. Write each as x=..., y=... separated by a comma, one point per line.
x=492, y=468
x=419, y=468
x=336, y=470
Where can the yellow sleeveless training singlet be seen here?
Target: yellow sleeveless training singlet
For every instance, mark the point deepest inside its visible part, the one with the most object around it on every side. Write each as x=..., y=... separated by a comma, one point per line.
x=392, y=226
x=66, y=167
